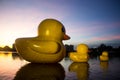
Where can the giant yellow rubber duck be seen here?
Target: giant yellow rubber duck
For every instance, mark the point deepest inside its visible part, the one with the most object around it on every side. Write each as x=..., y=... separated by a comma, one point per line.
x=81, y=55
x=104, y=56
x=47, y=47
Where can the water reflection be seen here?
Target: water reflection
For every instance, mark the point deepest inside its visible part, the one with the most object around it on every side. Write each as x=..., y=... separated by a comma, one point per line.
x=9, y=64
x=16, y=56
x=13, y=55
x=104, y=65
x=81, y=70
x=13, y=67
x=41, y=72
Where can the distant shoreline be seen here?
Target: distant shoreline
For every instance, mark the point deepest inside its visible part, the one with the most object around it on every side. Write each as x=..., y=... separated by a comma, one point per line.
x=8, y=51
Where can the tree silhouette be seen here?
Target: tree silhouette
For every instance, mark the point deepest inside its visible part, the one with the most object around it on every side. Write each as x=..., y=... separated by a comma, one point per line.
x=7, y=48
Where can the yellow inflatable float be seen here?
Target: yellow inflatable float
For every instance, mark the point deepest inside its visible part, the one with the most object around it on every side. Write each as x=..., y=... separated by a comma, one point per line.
x=81, y=55
x=47, y=47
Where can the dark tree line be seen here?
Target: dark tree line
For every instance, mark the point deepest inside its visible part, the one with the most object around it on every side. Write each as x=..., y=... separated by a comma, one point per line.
x=7, y=48
x=94, y=52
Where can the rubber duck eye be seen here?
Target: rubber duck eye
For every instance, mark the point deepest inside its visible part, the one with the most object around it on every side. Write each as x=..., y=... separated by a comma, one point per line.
x=63, y=29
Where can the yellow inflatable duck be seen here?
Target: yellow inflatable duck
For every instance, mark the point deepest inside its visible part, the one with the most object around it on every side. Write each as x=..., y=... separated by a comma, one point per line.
x=47, y=47
x=104, y=56
x=81, y=55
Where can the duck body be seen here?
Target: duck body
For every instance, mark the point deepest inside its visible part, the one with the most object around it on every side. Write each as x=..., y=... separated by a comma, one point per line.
x=41, y=52
x=103, y=58
x=76, y=57
x=47, y=47
x=81, y=55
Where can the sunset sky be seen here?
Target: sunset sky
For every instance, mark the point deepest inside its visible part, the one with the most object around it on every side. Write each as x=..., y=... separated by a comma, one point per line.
x=86, y=21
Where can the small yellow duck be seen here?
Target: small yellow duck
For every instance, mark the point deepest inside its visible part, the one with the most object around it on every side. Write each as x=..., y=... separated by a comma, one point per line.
x=104, y=56
x=81, y=55
x=47, y=47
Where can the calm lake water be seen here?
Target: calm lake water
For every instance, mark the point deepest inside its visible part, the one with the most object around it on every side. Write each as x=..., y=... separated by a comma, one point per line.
x=13, y=67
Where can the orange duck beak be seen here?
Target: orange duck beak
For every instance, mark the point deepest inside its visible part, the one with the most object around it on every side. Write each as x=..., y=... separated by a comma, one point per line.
x=66, y=37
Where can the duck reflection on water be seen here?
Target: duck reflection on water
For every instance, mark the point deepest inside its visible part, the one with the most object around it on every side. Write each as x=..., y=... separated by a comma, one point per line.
x=34, y=71
x=104, y=65
x=81, y=69
x=16, y=56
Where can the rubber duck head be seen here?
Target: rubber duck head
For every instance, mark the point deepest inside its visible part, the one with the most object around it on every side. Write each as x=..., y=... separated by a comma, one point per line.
x=51, y=29
x=82, y=48
x=104, y=53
